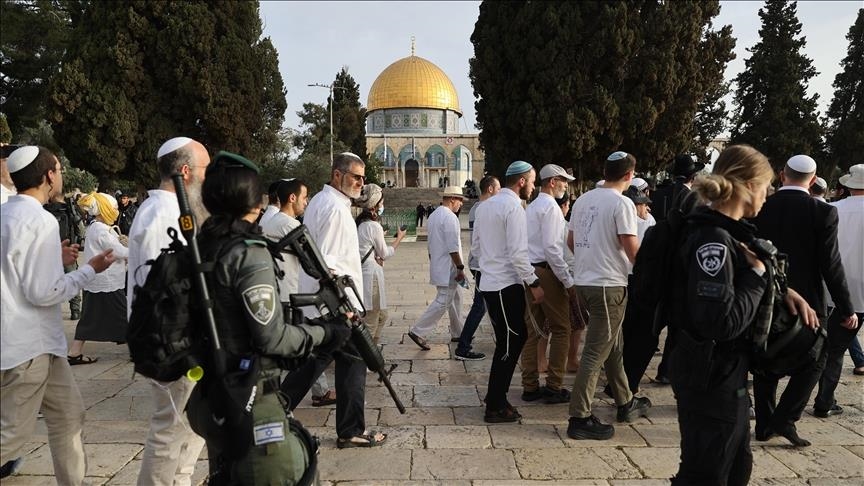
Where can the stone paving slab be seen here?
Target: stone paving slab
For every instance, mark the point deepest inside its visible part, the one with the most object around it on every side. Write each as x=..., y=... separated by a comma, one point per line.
x=365, y=464
x=463, y=463
x=548, y=464
x=824, y=461
x=417, y=416
x=517, y=436
x=458, y=437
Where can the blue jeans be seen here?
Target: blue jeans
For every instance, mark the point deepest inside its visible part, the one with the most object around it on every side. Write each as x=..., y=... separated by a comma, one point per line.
x=472, y=321
x=855, y=350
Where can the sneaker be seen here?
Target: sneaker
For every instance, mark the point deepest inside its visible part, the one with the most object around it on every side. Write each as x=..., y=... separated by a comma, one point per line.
x=834, y=410
x=505, y=415
x=662, y=379
x=633, y=410
x=530, y=396
x=589, y=428
x=556, y=396
x=469, y=356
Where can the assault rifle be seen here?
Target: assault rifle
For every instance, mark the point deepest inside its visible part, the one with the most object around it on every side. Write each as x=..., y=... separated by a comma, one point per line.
x=333, y=298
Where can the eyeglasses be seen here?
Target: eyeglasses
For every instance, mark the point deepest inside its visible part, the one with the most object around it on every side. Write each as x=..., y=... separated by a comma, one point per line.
x=356, y=177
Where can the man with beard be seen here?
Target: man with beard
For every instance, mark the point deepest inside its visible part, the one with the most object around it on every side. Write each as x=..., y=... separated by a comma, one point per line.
x=500, y=241
x=546, y=253
x=172, y=448
x=328, y=218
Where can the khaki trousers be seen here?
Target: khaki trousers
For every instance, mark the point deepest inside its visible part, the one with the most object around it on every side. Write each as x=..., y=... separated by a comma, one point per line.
x=45, y=381
x=603, y=348
x=172, y=448
x=555, y=309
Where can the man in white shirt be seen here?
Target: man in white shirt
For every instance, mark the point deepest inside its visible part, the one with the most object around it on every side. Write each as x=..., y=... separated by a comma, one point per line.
x=7, y=187
x=546, y=254
x=446, y=271
x=172, y=448
x=273, y=203
x=489, y=186
x=34, y=371
x=819, y=188
x=603, y=239
x=500, y=241
x=841, y=331
x=328, y=218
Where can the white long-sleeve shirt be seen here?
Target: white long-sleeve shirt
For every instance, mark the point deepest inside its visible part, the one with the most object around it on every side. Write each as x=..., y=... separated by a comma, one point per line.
x=99, y=238
x=277, y=226
x=332, y=228
x=850, y=234
x=33, y=283
x=500, y=240
x=268, y=213
x=148, y=235
x=547, y=223
x=443, y=228
x=371, y=235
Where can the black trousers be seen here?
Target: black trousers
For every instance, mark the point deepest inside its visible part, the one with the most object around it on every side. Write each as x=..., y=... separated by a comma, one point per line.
x=839, y=339
x=506, y=309
x=350, y=386
x=640, y=342
x=714, y=451
x=771, y=413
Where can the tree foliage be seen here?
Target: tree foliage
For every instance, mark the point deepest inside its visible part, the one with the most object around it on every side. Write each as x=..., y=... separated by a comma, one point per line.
x=569, y=82
x=138, y=73
x=845, y=134
x=773, y=112
x=35, y=34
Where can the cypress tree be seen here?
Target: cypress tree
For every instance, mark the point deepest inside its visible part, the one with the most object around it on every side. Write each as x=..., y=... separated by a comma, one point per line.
x=845, y=137
x=570, y=82
x=139, y=73
x=773, y=112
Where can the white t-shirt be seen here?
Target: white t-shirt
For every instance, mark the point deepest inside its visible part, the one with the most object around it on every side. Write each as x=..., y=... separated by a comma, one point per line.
x=277, y=226
x=850, y=234
x=598, y=217
x=99, y=238
x=5, y=193
x=268, y=213
x=443, y=227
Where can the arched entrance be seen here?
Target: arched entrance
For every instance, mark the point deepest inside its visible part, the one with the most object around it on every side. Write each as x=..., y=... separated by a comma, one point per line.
x=412, y=173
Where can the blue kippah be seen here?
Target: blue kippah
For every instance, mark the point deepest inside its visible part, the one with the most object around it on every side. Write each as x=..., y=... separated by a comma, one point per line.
x=616, y=156
x=518, y=167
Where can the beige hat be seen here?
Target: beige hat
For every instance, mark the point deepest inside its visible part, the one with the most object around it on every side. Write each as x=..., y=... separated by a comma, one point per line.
x=452, y=191
x=855, y=178
x=552, y=170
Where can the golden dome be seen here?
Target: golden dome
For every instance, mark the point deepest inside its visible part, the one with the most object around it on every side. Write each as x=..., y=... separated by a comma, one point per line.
x=413, y=82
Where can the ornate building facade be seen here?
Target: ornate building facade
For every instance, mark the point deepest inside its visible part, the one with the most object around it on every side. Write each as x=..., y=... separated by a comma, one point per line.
x=412, y=127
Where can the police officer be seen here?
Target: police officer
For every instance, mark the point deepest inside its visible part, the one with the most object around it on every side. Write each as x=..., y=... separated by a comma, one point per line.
x=261, y=447
x=72, y=229
x=723, y=283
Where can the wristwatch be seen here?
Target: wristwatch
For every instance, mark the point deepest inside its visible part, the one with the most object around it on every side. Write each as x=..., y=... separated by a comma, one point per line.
x=534, y=284
x=460, y=267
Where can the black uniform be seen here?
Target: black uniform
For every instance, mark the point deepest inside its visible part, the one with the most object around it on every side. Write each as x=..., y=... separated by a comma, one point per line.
x=717, y=305
x=71, y=228
x=256, y=339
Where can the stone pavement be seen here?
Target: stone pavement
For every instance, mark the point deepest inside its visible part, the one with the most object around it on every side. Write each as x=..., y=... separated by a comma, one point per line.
x=442, y=439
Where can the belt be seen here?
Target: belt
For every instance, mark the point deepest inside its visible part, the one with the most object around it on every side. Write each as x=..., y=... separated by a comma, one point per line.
x=541, y=265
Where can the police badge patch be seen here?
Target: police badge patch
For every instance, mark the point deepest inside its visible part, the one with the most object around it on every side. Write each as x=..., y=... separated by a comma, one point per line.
x=260, y=302
x=711, y=258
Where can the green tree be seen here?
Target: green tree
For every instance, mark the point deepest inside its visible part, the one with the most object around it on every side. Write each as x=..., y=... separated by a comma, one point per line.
x=773, y=112
x=586, y=78
x=349, y=115
x=35, y=34
x=845, y=134
x=138, y=73
x=5, y=133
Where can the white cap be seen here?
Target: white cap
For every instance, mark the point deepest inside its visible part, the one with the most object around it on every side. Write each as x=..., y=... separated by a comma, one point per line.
x=600, y=183
x=21, y=157
x=802, y=163
x=639, y=183
x=552, y=170
x=172, y=145
x=821, y=183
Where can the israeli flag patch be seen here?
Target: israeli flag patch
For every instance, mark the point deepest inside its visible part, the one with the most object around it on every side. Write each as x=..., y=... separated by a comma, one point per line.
x=267, y=433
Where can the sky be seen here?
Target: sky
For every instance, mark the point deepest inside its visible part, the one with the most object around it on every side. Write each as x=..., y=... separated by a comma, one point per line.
x=316, y=39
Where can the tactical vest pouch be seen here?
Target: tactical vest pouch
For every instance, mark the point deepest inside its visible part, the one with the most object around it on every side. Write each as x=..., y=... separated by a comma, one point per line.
x=693, y=371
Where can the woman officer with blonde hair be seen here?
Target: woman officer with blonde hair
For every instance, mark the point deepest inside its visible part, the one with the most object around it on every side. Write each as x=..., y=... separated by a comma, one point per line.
x=721, y=285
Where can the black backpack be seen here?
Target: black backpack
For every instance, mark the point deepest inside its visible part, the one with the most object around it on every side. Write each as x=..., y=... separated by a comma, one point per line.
x=654, y=265
x=166, y=333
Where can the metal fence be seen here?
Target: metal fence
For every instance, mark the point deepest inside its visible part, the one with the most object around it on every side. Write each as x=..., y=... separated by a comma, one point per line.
x=392, y=219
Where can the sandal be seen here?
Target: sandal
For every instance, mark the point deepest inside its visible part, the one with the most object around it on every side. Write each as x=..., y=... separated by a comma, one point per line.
x=328, y=398
x=362, y=440
x=80, y=360
x=419, y=341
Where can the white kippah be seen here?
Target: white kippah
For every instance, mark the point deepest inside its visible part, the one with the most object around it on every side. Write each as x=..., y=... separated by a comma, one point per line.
x=172, y=145
x=821, y=183
x=639, y=183
x=22, y=157
x=802, y=163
